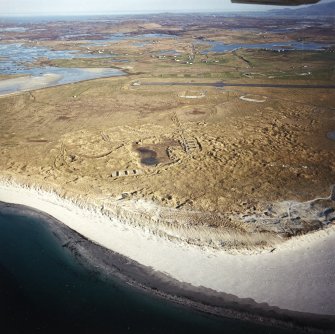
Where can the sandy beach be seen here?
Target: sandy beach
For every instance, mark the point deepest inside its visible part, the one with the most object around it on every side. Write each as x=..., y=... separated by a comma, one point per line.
x=297, y=276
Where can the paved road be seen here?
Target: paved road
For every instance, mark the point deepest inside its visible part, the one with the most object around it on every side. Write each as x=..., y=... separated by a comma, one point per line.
x=224, y=84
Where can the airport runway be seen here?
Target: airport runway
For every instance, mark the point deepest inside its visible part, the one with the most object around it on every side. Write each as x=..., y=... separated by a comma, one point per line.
x=227, y=84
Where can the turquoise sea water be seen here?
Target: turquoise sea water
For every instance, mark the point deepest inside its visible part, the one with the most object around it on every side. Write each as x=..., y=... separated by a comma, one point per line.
x=45, y=289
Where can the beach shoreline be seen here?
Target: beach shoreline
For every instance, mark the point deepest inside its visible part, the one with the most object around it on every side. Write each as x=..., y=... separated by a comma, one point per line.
x=143, y=273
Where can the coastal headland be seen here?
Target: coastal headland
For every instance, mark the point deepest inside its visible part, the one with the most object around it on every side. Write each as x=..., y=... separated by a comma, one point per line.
x=202, y=173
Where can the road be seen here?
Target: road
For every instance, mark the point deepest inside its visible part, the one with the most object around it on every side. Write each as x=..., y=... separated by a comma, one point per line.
x=224, y=84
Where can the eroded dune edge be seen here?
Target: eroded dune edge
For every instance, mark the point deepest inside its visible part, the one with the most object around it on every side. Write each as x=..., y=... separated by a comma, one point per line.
x=249, y=285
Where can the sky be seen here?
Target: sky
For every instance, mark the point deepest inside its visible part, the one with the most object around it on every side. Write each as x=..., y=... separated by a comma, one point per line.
x=74, y=7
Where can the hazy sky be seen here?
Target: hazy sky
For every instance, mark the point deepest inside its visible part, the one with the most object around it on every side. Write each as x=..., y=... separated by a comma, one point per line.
x=71, y=7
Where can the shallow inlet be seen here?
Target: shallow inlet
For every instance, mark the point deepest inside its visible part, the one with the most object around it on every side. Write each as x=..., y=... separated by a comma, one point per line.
x=54, y=76
x=19, y=59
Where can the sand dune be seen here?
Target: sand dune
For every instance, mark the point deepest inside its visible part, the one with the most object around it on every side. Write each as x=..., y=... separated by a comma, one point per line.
x=299, y=275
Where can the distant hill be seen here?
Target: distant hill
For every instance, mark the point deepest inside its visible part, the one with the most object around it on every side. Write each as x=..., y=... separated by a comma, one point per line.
x=322, y=9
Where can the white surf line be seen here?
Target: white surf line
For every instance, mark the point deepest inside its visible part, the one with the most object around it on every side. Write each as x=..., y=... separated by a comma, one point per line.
x=298, y=276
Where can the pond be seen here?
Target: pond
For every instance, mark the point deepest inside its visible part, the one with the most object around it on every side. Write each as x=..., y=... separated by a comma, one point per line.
x=331, y=135
x=148, y=157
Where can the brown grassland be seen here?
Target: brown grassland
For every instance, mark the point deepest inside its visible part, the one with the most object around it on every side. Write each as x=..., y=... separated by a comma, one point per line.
x=218, y=162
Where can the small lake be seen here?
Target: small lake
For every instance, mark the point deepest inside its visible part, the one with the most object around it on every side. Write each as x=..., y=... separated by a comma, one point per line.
x=13, y=29
x=114, y=38
x=45, y=289
x=148, y=157
x=331, y=135
x=279, y=46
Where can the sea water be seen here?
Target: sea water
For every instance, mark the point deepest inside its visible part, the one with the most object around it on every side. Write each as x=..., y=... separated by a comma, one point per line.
x=44, y=288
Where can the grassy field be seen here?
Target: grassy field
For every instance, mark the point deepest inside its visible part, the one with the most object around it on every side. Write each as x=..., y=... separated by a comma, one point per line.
x=223, y=154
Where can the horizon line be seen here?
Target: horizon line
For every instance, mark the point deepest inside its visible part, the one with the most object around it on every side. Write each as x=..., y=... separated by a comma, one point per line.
x=134, y=12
